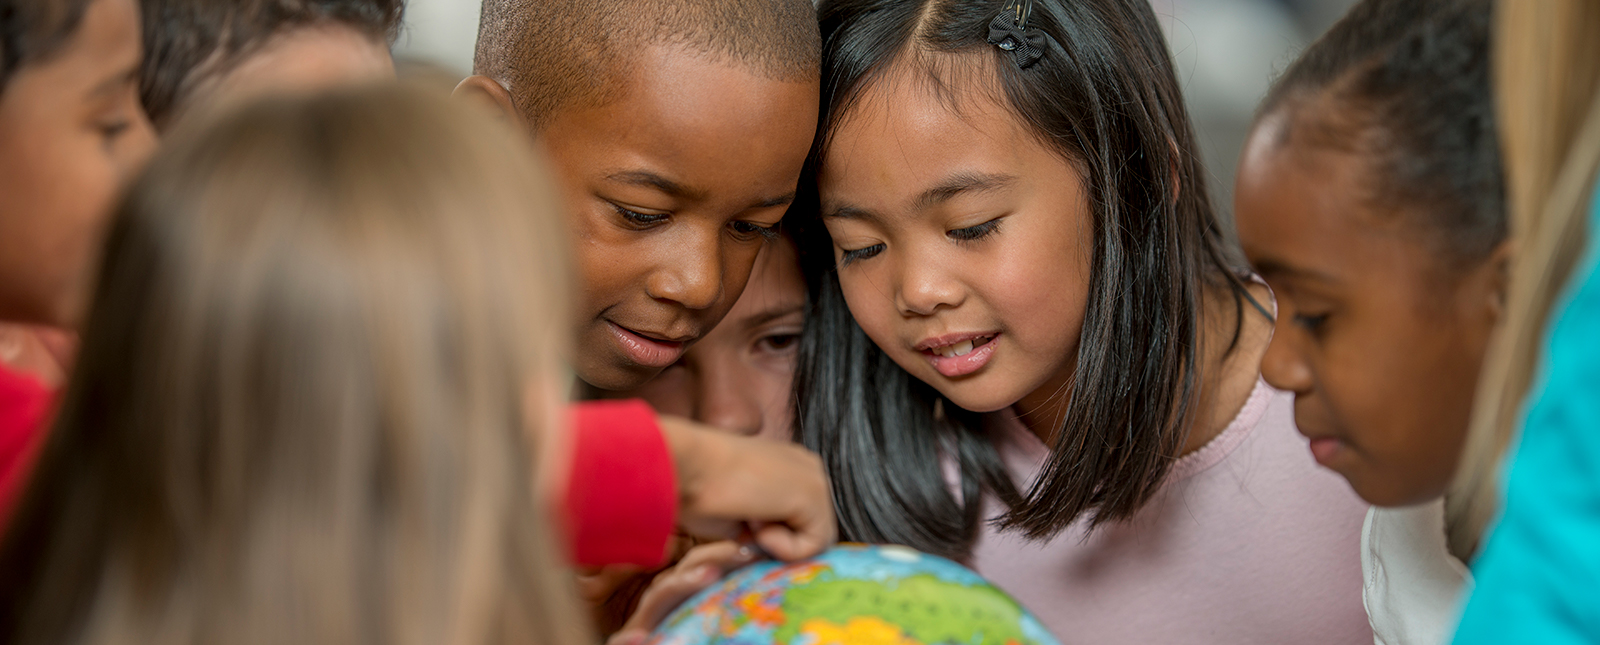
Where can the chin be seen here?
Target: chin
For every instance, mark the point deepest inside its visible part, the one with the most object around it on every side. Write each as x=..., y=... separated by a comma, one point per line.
x=615, y=375
x=1391, y=494
x=973, y=397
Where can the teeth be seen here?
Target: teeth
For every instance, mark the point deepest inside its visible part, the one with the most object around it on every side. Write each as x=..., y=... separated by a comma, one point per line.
x=959, y=349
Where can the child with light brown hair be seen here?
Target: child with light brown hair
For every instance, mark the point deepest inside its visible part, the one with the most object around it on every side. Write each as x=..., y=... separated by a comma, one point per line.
x=313, y=396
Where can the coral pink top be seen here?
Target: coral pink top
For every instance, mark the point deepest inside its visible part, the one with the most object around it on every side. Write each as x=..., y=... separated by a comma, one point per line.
x=1247, y=542
x=24, y=404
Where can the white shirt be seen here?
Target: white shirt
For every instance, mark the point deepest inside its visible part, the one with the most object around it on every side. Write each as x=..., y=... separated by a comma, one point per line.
x=1413, y=585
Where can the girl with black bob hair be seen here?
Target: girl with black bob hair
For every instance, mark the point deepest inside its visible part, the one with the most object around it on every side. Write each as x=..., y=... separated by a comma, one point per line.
x=1032, y=346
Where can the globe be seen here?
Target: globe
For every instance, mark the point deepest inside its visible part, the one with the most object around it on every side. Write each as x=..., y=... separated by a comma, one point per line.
x=855, y=595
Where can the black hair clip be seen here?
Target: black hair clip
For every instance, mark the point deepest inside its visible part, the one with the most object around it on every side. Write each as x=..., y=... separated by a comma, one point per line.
x=1010, y=32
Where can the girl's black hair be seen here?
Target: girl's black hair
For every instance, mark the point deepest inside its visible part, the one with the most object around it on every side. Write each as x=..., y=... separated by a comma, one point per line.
x=34, y=30
x=1105, y=97
x=1405, y=84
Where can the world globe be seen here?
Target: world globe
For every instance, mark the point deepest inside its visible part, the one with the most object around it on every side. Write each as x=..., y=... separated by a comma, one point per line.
x=853, y=595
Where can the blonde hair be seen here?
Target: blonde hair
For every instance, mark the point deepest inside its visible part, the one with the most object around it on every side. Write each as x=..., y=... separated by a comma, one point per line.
x=1547, y=71
x=301, y=412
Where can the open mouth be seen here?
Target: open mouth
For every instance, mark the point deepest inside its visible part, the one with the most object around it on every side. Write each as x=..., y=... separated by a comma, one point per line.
x=962, y=348
x=959, y=354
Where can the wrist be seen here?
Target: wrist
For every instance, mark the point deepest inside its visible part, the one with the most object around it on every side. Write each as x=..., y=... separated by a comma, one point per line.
x=690, y=454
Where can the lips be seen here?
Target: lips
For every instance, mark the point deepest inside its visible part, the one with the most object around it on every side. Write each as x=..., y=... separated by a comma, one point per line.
x=959, y=354
x=646, y=348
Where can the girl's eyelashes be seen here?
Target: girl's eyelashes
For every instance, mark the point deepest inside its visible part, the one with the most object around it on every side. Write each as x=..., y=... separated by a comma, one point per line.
x=636, y=218
x=978, y=232
x=846, y=256
x=111, y=130
x=778, y=342
x=1311, y=323
x=750, y=229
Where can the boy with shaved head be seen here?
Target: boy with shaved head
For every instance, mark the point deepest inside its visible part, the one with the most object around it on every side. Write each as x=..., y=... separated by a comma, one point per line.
x=679, y=128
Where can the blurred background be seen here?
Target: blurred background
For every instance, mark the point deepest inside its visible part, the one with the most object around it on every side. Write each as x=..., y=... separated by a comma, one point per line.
x=1227, y=53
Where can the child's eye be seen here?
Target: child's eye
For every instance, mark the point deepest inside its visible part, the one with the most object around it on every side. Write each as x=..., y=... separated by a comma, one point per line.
x=1312, y=324
x=111, y=130
x=971, y=233
x=752, y=229
x=846, y=256
x=637, y=218
x=778, y=342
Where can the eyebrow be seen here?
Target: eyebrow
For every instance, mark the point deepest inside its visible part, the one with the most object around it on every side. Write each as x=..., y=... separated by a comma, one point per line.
x=773, y=202
x=774, y=313
x=656, y=181
x=113, y=84
x=961, y=183
x=649, y=179
x=1266, y=268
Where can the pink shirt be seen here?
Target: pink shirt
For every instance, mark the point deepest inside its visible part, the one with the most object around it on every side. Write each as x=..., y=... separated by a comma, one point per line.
x=1249, y=541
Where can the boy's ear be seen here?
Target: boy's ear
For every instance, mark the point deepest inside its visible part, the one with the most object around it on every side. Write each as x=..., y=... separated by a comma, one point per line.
x=491, y=95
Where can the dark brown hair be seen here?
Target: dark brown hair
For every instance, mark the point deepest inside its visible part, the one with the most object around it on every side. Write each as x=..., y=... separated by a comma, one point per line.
x=1105, y=97
x=186, y=41
x=303, y=404
x=33, y=30
x=1404, y=84
x=554, y=53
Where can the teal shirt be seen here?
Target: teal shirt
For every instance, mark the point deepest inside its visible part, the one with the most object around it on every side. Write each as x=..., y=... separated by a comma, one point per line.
x=1538, y=577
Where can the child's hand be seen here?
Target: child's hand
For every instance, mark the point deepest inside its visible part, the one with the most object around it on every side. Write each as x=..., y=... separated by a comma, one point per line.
x=703, y=566
x=728, y=482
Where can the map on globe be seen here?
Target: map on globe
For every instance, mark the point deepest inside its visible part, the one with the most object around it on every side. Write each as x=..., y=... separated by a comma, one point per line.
x=855, y=595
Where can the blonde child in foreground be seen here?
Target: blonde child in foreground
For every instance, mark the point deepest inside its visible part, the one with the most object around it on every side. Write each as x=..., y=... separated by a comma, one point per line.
x=324, y=351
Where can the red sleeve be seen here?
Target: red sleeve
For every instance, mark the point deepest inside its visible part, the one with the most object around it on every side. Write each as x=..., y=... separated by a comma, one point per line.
x=24, y=402
x=622, y=498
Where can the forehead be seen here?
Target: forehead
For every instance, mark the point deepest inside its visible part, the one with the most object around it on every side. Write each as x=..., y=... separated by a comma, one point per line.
x=1308, y=208
x=919, y=121
x=704, y=120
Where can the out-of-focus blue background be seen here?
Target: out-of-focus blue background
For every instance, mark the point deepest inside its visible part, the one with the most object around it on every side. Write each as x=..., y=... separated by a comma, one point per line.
x=1227, y=53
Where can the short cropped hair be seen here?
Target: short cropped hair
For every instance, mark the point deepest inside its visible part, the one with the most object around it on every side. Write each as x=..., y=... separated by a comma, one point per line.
x=186, y=40
x=33, y=30
x=554, y=53
x=1406, y=85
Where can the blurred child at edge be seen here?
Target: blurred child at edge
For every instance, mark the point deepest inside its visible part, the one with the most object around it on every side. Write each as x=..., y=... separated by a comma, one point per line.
x=1537, y=570
x=70, y=130
x=322, y=357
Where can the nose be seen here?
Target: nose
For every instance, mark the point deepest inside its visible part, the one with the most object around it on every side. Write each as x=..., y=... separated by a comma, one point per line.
x=1284, y=366
x=731, y=400
x=925, y=287
x=691, y=275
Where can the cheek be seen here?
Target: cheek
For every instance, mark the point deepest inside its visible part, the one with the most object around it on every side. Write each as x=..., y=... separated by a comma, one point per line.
x=609, y=262
x=1038, y=281
x=870, y=296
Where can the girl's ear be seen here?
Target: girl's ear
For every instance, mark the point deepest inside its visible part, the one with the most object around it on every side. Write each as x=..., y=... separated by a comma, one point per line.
x=491, y=95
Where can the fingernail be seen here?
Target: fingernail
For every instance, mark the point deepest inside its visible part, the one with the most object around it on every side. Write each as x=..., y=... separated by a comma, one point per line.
x=746, y=551
x=705, y=573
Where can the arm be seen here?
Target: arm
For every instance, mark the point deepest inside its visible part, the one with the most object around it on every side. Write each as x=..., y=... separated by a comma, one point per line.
x=633, y=473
